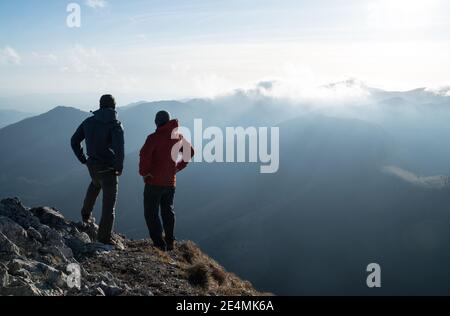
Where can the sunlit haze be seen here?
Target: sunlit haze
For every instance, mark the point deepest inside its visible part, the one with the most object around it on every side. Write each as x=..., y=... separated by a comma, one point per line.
x=172, y=50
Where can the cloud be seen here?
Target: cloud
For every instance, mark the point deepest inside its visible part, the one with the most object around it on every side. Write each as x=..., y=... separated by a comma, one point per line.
x=9, y=56
x=92, y=69
x=346, y=92
x=211, y=85
x=88, y=61
x=96, y=4
x=430, y=182
x=46, y=59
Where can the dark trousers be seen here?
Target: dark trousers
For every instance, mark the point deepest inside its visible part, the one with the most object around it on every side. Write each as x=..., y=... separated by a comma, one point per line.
x=156, y=198
x=107, y=181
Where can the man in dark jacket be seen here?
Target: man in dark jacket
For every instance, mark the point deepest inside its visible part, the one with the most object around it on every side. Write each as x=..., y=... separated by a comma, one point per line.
x=103, y=135
x=159, y=165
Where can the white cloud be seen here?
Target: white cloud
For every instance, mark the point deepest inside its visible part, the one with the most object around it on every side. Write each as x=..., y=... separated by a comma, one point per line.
x=96, y=3
x=430, y=182
x=307, y=89
x=9, y=56
x=88, y=61
x=46, y=59
x=341, y=92
x=210, y=85
x=91, y=69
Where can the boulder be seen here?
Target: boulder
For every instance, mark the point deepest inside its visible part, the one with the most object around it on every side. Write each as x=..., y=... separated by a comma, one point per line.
x=18, y=264
x=14, y=210
x=50, y=217
x=91, y=229
x=37, y=272
x=34, y=234
x=8, y=250
x=20, y=287
x=13, y=231
x=52, y=276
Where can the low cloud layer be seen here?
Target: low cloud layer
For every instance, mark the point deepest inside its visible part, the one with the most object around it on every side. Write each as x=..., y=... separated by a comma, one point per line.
x=430, y=182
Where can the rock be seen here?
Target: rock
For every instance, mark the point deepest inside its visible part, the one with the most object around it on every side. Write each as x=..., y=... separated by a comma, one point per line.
x=18, y=264
x=50, y=235
x=78, y=247
x=59, y=255
x=38, y=245
x=50, y=260
x=24, y=274
x=107, y=277
x=78, y=242
x=84, y=237
x=14, y=210
x=33, y=233
x=4, y=276
x=54, y=243
x=91, y=229
x=20, y=287
x=110, y=290
x=98, y=291
x=146, y=292
x=13, y=231
x=53, y=276
x=50, y=217
x=8, y=249
x=98, y=248
x=37, y=272
x=118, y=242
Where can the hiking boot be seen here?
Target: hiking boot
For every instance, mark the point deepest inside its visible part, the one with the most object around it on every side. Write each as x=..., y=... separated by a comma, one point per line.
x=162, y=247
x=87, y=220
x=170, y=245
x=117, y=244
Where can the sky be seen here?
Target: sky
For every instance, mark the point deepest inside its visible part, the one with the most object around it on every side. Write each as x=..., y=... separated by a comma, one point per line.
x=175, y=49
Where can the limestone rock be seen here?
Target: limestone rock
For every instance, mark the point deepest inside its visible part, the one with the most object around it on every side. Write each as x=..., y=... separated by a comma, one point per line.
x=43, y=254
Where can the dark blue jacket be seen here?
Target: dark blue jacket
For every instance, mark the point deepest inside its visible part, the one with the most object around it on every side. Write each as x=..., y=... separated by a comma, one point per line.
x=103, y=134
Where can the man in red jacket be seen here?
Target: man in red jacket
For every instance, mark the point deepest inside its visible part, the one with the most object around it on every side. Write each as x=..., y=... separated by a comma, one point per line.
x=159, y=164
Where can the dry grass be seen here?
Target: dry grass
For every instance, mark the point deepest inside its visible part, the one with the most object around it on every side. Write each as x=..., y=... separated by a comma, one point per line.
x=218, y=274
x=198, y=275
x=189, y=252
x=209, y=276
x=184, y=271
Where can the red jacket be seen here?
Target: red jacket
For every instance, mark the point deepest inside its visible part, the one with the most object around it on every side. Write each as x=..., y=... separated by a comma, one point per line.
x=156, y=162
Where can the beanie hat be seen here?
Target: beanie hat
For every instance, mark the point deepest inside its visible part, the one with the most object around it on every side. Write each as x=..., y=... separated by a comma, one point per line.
x=162, y=118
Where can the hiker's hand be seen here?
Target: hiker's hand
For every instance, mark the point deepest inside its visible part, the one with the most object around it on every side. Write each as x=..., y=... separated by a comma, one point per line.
x=118, y=173
x=147, y=176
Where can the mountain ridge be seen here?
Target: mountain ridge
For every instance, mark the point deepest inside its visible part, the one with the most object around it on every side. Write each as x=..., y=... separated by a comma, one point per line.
x=8, y=117
x=41, y=253
x=331, y=188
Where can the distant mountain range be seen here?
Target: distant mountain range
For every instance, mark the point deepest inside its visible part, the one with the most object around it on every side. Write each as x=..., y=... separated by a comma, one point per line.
x=8, y=117
x=358, y=183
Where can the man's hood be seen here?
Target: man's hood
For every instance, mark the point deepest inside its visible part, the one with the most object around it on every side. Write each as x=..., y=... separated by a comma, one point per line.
x=168, y=127
x=105, y=115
